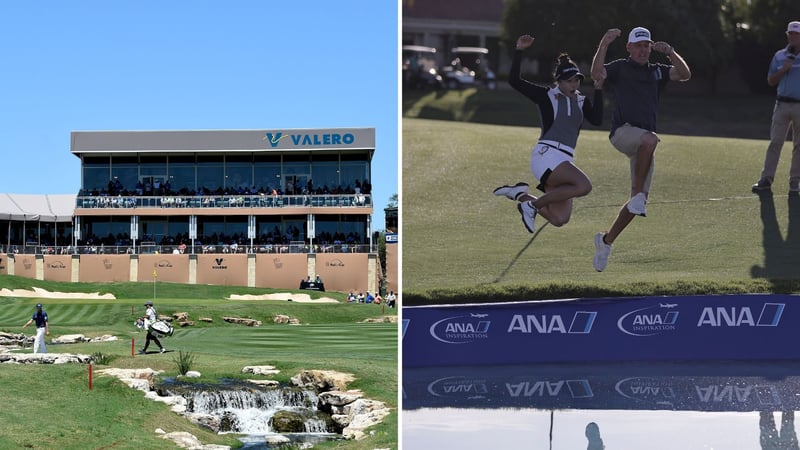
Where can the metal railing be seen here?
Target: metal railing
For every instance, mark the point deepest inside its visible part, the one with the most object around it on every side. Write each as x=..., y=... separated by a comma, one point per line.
x=225, y=201
x=150, y=248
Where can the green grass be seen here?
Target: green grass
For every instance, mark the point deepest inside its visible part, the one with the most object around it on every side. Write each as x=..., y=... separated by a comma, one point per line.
x=705, y=231
x=56, y=401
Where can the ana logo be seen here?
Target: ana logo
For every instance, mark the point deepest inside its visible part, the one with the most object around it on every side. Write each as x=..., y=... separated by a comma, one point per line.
x=164, y=263
x=274, y=139
x=461, y=329
x=580, y=323
x=107, y=264
x=577, y=388
x=334, y=263
x=458, y=387
x=218, y=264
x=649, y=321
x=716, y=394
x=277, y=263
x=646, y=389
x=770, y=316
x=26, y=263
x=57, y=265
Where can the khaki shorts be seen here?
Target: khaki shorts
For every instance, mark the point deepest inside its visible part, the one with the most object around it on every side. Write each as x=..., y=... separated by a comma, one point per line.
x=627, y=140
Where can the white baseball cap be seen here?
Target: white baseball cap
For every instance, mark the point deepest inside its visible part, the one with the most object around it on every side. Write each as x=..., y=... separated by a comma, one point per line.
x=794, y=26
x=639, y=34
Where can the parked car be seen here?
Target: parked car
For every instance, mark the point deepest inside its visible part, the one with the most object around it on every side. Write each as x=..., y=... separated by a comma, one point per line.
x=419, y=68
x=469, y=68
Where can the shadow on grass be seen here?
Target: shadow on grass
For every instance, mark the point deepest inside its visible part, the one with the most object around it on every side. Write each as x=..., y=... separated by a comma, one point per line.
x=781, y=256
x=521, y=251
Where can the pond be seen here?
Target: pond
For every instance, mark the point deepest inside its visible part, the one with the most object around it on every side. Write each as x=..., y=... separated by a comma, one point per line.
x=623, y=405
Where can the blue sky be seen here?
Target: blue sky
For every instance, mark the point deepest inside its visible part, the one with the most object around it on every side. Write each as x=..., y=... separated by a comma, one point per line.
x=191, y=65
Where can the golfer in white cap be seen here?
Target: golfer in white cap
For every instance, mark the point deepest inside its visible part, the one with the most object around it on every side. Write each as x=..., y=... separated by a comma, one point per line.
x=638, y=84
x=42, y=329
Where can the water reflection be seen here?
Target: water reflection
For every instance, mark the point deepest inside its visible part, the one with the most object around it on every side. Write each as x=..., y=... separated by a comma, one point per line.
x=715, y=405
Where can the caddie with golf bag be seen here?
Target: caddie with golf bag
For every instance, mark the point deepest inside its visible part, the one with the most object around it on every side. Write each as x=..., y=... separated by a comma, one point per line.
x=155, y=328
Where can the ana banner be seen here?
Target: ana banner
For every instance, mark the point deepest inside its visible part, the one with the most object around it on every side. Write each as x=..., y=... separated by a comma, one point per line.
x=714, y=327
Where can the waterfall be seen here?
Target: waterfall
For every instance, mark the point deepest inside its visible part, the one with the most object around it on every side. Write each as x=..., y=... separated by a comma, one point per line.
x=249, y=411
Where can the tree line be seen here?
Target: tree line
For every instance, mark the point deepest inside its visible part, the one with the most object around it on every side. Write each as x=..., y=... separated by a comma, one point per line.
x=712, y=35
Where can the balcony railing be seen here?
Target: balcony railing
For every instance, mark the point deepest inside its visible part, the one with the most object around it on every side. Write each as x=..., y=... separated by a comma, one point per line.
x=146, y=248
x=226, y=201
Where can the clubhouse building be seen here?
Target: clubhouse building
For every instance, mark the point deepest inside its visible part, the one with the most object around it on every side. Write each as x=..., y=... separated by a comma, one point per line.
x=258, y=208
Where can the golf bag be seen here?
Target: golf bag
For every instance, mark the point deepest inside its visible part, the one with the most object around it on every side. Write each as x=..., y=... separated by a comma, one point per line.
x=159, y=328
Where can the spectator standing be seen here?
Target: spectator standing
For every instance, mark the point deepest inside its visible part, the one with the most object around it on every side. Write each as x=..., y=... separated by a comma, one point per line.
x=784, y=72
x=638, y=84
x=391, y=299
x=42, y=328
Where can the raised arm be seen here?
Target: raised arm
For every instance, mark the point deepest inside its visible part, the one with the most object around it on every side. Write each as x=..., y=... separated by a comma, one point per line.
x=598, y=69
x=680, y=70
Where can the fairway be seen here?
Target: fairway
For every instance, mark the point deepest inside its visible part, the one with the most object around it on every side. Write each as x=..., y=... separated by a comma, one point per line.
x=703, y=222
x=331, y=336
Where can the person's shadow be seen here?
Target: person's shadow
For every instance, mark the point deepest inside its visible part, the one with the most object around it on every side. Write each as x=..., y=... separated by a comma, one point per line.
x=771, y=438
x=781, y=256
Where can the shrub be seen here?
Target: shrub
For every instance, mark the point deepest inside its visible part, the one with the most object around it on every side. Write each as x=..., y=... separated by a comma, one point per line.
x=101, y=358
x=184, y=362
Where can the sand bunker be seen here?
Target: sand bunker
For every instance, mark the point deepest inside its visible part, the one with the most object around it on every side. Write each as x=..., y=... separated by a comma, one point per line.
x=300, y=298
x=42, y=293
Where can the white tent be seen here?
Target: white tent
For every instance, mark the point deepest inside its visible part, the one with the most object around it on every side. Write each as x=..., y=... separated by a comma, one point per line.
x=37, y=207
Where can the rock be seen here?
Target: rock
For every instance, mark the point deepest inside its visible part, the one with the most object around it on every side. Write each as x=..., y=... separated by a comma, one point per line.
x=206, y=319
x=69, y=339
x=192, y=374
x=44, y=358
x=268, y=383
x=183, y=439
x=287, y=422
x=339, y=398
x=186, y=323
x=180, y=316
x=277, y=440
x=323, y=380
x=243, y=321
x=363, y=413
x=261, y=370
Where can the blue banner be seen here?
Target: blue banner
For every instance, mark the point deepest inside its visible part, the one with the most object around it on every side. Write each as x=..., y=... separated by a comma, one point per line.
x=713, y=327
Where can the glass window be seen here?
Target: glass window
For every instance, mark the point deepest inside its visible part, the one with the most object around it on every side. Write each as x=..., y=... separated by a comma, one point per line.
x=181, y=174
x=267, y=172
x=325, y=176
x=354, y=175
x=125, y=172
x=153, y=165
x=181, y=178
x=238, y=173
x=296, y=172
x=210, y=172
x=96, y=173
